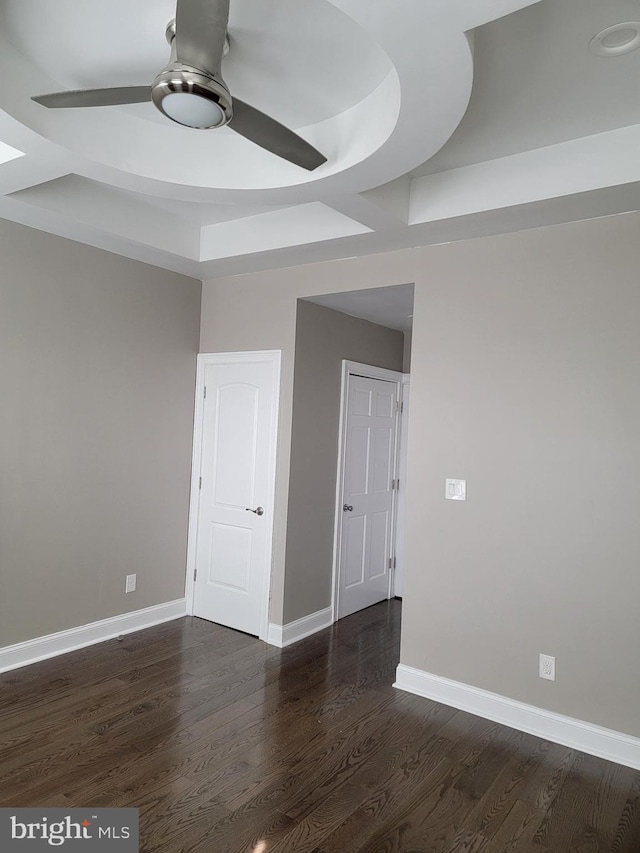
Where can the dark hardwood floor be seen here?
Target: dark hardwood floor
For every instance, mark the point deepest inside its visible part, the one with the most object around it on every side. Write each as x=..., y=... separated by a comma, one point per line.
x=227, y=745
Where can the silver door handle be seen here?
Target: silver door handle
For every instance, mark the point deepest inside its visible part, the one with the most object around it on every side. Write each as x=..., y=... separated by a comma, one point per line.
x=258, y=510
x=347, y=508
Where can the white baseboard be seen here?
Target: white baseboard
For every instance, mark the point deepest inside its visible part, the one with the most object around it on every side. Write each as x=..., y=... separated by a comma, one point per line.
x=284, y=635
x=576, y=734
x=41, y=648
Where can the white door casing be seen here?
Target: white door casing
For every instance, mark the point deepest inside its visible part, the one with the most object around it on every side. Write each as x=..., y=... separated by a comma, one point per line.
x=365, y=514
x=229, y=560
x=400, y=553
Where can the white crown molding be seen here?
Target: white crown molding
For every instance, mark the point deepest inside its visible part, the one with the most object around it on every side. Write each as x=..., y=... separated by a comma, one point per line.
x=567, y=731
x=52, y=645
x=285, y=635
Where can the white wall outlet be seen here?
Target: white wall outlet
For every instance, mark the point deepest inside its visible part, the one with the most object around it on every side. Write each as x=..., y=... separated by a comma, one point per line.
x=455, y=490
x=547, y=667
x=130, y=584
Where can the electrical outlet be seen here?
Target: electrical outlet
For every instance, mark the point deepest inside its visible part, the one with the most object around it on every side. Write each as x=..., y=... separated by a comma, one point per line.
x=547, y=667
x=130, y=585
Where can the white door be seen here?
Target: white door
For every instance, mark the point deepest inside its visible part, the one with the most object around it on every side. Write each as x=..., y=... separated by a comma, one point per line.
x=369, y=453
x=237, y=471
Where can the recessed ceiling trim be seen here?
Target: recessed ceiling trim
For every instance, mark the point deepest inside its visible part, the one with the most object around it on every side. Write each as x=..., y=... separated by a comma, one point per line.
x=616, y=40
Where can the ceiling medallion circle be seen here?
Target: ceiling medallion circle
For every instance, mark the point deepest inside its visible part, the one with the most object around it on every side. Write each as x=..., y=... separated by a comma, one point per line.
x=367, y=110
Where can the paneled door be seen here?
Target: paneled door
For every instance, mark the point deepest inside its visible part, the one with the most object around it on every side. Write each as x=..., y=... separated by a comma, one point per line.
x=236, y=489
x=367, y=512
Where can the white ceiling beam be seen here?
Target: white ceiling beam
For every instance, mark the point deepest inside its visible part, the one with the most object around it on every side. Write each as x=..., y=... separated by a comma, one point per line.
x=456, y=14
x=28, y=171
x=475, y=13
x=580, y=165
x=292, y=226
x=55, y=222
x=372, y=210
x=556, y=211
x=118, y=214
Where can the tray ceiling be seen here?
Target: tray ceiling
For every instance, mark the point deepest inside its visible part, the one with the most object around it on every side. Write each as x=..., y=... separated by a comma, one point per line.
x=439, y=120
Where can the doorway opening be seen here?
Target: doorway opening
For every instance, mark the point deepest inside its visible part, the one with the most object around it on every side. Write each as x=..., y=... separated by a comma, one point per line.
x=370, y=327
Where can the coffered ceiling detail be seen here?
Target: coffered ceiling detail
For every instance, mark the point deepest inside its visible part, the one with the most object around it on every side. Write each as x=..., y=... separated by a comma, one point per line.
x=440, y=119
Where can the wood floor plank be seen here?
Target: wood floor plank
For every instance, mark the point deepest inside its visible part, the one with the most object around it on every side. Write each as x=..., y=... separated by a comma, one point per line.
x=397, y=796
x=516, y=831
x=496, y=804
x=227, y=745
x=627, y=833
x=431, y=824
x=565, y=823
x=608, y=802
x=466, y=842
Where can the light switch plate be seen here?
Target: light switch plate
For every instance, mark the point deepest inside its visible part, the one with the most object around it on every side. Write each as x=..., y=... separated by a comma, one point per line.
x=455, y=490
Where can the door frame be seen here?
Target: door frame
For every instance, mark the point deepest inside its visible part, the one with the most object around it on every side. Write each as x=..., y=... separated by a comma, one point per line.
x=203, y=361
x=370, y=372
x=401, y=498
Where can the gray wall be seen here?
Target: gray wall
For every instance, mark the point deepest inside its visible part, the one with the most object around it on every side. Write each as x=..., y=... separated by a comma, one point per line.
x=524, y=381
x=323, y=339
x=97, y=371
x=537, y=405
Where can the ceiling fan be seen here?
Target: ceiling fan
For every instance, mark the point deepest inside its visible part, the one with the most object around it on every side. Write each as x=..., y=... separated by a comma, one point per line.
x=191, y=91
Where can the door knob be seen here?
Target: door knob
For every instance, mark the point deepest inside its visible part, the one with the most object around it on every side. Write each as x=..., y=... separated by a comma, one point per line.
x=347, y=508
x=258, y=510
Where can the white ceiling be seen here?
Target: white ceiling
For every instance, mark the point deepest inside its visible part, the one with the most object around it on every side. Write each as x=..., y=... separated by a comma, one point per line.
x=551, y=131
x=386, y=306
x=536, y=84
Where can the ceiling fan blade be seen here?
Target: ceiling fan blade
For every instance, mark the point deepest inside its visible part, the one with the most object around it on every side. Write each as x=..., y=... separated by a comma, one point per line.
x=95, y=97
x=275, y=137
x=201, y=28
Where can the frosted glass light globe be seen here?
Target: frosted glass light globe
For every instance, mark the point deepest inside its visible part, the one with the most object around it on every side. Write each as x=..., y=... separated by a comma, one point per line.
x=192, y=110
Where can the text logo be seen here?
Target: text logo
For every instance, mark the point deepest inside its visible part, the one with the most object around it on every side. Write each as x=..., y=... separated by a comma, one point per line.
x=101, y=830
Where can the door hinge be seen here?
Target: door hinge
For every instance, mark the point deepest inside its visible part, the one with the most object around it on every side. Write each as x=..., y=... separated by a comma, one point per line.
x=195, y=574
x=200, y=483
x=392, y=562
x=401, y=407
x=205, y=392
x=395, y=485
x=397, y=406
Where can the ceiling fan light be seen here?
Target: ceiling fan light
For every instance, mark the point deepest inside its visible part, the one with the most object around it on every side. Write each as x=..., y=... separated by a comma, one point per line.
x=191, y=98
x=192, y=110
